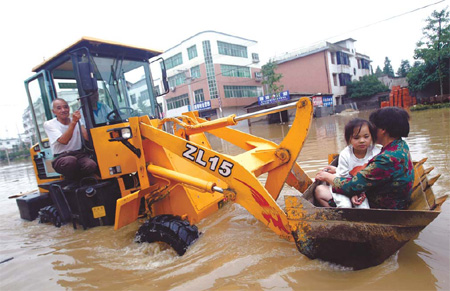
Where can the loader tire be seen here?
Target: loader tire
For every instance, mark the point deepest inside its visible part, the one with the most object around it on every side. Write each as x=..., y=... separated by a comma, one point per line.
x=174, y=231
x=50, y=214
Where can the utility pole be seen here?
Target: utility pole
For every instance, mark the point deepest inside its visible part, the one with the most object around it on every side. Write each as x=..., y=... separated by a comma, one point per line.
x=188, y=79
x=191, y=98
x=7, y=156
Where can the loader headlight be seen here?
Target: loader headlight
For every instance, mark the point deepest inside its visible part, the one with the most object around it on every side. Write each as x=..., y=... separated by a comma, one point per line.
x=119, y=134
x=126, y=133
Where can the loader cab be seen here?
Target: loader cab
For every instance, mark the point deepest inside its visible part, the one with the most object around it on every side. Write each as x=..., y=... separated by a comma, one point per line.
x=108, y=82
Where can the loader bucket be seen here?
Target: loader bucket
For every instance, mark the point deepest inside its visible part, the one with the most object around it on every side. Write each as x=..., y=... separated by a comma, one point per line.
x=360, y=238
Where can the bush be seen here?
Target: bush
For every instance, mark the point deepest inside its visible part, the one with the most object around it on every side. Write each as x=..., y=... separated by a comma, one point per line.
x=429, y=106
x=368, y=86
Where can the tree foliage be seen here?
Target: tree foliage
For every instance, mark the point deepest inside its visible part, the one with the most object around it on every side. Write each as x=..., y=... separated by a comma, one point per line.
x=434, y=48
x=387, y=69
x=422, y=75
x=404, y=68
x=271, y=78
x=378, y=72
x=366, y=87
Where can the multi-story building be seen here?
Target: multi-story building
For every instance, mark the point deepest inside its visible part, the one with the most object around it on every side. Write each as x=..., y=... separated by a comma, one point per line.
x=324, y=68
x=29, y=131
x=9, y=143
x=213, y=72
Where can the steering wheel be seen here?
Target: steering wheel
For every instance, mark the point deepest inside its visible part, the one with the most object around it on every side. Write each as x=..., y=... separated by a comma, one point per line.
x=121, y=111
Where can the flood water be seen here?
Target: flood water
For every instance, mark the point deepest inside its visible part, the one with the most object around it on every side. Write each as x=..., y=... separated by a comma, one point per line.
x=236, y=251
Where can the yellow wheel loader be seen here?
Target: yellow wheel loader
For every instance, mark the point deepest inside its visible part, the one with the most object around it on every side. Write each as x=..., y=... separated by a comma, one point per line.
x=163, y=168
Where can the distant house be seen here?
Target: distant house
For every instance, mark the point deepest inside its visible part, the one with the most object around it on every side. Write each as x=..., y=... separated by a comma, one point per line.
x=323, y=68
x=9, y=143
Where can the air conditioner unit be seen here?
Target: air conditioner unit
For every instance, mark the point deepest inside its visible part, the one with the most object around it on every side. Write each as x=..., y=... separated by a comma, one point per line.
x=172, y=89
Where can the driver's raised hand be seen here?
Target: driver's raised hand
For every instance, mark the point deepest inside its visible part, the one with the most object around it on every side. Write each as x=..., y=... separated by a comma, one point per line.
x=76, y=116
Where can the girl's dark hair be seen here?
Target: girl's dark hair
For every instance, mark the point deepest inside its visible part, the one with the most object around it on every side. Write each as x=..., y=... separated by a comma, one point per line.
x=357, y=123
x=394, y=120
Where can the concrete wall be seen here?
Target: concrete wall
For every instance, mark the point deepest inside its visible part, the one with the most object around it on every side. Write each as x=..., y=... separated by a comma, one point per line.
x=396, y=81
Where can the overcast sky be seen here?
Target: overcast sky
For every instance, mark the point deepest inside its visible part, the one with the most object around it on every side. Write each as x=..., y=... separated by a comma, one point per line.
x=32, y=31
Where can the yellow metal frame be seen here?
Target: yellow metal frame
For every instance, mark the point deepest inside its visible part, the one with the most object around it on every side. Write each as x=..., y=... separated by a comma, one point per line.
x=183, y=169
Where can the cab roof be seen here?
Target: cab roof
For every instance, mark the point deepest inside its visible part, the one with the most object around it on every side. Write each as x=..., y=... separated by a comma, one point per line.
x=102, y=48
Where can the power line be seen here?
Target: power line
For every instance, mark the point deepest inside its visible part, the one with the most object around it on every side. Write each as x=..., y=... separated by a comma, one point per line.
x=390, y=18
x=353, y=30
x=374, y=23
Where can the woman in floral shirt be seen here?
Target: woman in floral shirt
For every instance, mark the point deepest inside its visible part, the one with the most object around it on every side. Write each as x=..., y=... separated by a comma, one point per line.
x=388, y=178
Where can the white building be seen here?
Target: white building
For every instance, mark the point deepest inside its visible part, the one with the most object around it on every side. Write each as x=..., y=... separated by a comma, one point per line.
x=213, y=72
x=9, y=143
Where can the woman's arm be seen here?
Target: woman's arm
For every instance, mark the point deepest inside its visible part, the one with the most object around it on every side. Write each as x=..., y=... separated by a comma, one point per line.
x=370, y=177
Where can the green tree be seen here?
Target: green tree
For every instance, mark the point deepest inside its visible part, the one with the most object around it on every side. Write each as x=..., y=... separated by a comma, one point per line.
x=387, y=69
x=271, y=78
x=422, y=75
x=366, y=87
x=404, y=68
x=435, y=45
x=378, y=72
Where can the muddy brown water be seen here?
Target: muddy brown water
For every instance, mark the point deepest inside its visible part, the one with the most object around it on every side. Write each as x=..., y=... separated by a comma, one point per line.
x=236, y=251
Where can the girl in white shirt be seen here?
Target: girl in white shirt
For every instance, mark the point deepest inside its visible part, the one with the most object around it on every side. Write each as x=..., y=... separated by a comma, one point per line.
x=360, y=136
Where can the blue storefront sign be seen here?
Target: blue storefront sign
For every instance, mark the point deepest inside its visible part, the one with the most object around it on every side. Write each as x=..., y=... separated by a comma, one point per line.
x=202, y=105
x=274, y=98
x=327, y=101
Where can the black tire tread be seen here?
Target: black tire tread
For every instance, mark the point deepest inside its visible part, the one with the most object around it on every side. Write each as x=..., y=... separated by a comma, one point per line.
x=50, y=214
x=170, y=229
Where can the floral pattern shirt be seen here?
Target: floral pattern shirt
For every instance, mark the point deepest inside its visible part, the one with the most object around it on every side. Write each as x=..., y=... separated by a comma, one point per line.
x=387, y=180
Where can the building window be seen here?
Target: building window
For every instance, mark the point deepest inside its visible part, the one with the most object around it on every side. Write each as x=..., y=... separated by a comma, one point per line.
x=230, y=49
x=210, y=73
x=242, y=91
x=195, y=72
x=174, y=61
x=342, y=58
x=199, y=96
x=332, y=56
x=192, y=52
x=177, y=102
x=365, y=64
x=235, y=71
x=133, y=98
x=177, y=80
x=335, y=80
x=255, y=58
x=344, y=79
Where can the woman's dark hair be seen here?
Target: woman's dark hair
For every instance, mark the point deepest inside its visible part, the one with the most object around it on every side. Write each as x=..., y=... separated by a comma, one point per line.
x=394, y=120
x=357, y=123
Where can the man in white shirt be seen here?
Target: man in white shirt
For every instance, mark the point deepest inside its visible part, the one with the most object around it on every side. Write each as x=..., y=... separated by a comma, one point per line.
x=65, y=140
